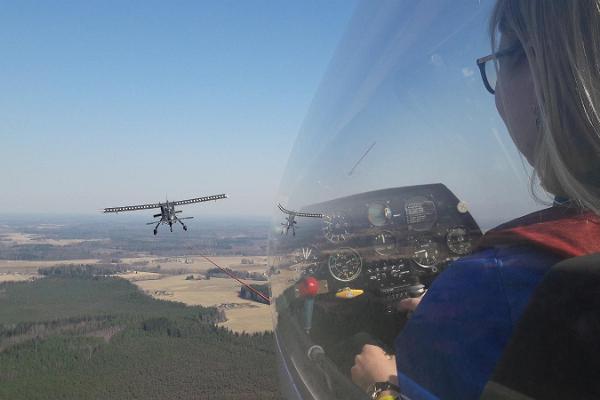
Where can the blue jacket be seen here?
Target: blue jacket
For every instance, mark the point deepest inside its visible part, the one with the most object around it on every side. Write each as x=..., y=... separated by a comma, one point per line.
x=452, y=342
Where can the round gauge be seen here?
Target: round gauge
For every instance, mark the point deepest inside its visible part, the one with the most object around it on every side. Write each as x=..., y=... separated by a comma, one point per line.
x=336, y=228
x=379, y=214
x=426, y=253
x=458, y=240
x=307, y=257
x=345, y=264
x=384, y=243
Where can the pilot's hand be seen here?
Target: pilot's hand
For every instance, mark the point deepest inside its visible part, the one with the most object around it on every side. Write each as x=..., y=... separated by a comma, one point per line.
x=410, y=304
x=373, y=365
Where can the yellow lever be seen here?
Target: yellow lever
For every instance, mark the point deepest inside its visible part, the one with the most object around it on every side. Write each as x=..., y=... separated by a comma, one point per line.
x=348, y=293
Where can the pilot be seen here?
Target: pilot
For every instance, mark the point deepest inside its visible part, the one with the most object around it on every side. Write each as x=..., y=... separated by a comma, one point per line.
x=548, y=94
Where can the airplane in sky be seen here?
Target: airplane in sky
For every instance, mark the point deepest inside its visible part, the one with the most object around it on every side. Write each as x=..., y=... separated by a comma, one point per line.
x=168, y=214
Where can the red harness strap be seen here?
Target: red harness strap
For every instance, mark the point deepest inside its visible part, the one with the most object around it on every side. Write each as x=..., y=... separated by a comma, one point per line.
x=569, y=232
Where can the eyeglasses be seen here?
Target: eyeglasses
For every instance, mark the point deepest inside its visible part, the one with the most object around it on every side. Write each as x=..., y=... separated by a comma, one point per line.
x=488, y=69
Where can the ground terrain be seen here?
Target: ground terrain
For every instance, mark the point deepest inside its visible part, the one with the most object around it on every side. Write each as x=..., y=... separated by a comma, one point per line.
x=91, y=309
x=242, y=315
x=171, y=284
x=161, y=275
x=101, y=338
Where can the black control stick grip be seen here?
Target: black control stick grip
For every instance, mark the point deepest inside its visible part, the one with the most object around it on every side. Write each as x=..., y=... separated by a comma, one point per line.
x=356, y=342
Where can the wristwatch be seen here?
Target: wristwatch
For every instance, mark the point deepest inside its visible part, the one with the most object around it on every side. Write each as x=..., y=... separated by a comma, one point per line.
x=376, y=389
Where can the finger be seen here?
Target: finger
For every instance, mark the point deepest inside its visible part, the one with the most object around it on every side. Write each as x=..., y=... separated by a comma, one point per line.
x=357, y=375
x=368, y=348
x=409, y=304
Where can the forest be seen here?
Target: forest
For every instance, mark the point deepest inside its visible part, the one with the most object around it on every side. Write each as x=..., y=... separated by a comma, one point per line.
x=83, y=337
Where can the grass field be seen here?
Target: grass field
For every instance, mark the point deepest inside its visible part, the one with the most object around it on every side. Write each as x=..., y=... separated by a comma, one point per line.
x=207, y=293
x=195, y=264
x=26, y=238
x=31, y=267
x=212, y=292
x=245, y=316
x=198, y=264
x=17, y=277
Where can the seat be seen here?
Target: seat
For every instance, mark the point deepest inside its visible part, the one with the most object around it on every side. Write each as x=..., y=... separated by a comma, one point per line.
x=555, y=350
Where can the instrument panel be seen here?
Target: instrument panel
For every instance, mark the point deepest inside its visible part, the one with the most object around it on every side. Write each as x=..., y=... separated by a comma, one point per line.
x=390, y=242
x=345, y=264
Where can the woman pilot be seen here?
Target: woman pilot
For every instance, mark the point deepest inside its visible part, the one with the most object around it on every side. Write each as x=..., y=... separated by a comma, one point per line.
x=548, y=94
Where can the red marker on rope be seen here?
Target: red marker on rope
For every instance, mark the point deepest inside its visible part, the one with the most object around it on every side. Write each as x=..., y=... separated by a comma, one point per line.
x=309, y=288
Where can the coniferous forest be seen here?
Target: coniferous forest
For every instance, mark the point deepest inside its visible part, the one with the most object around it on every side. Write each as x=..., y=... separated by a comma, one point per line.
x=102, y=338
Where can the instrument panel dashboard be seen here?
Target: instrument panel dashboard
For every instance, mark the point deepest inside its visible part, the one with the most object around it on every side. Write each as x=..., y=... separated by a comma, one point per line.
x=385, y=241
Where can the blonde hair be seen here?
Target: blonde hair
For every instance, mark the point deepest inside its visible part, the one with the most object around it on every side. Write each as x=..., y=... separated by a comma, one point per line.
x=561, y=40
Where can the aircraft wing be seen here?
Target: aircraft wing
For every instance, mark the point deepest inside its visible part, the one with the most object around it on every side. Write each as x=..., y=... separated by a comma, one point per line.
x=131, y=208
x=312, y=215
x=283, y=210
x=299, y=214
x=199, y=199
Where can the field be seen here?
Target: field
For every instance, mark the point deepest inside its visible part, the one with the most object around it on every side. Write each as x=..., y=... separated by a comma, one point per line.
x=19, y=238
x=242, y=315
x=192, y=264
x=17, y=277
x=99, y=308
x=32, y=267
x=170, y=283
x=198, y=264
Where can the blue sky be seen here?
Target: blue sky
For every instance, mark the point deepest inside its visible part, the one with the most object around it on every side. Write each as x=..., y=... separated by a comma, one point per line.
x=107, y=103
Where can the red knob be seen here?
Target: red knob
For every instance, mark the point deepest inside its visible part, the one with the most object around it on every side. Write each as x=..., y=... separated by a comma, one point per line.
x=309, y=287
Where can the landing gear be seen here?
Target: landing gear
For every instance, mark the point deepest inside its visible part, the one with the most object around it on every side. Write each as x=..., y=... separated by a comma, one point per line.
x=155, y=232
x=182, y=224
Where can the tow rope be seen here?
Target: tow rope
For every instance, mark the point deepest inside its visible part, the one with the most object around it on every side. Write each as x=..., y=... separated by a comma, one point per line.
x=255, y=291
